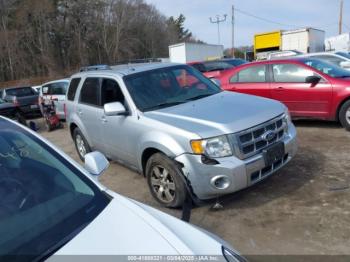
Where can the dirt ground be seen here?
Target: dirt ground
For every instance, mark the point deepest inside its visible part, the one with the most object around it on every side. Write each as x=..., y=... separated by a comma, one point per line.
x=304, y=209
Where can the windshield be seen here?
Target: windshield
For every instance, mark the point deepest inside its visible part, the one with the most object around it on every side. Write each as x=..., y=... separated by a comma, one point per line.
x=217, y=66
x=59, y=88
x=236, y=62
x=43, y=198
x=327, y=68
x=21, y=91
x=343, y=54
x=169, y=86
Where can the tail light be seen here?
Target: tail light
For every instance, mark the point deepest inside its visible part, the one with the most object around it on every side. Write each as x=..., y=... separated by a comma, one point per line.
x=65, y=110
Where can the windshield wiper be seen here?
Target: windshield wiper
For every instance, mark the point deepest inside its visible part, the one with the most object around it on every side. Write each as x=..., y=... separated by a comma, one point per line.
x=198, y=97
x=166, y=104
x=52, y=250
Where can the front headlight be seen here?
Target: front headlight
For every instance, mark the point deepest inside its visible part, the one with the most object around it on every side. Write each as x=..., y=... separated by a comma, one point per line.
x=231, y=256
x=212, y=147
x=287, y=116
x=287, y=119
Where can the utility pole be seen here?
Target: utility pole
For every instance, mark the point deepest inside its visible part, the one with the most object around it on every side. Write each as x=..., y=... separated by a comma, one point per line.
x=341, y=17
x=217, y=21
x=233, y=31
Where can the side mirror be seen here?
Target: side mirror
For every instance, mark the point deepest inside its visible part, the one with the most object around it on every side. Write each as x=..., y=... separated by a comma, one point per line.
x=345, y=64
x=96, y=163
x=114, y=109
x=313, y=80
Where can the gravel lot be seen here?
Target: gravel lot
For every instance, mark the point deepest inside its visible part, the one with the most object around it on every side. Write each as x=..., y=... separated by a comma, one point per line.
x=304, y=209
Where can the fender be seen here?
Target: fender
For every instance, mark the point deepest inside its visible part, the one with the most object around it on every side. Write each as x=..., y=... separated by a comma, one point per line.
x=160, y=141
x=76, y=121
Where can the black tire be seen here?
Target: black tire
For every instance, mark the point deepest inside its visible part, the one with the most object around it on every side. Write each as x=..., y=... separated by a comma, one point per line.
x=344, y=115
x=163, y=186
x=78, y=138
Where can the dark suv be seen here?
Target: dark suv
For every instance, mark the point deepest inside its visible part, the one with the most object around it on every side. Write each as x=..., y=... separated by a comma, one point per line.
x=23, y=97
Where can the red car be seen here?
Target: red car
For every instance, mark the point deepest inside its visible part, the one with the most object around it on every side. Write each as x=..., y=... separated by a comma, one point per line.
x=212, y=69
x=310, y=88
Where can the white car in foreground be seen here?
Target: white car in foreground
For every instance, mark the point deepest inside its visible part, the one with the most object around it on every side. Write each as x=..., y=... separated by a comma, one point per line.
x=50, y=206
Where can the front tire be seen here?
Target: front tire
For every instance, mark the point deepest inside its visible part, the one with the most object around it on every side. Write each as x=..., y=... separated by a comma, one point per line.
x=165, y=181
x=81, y=145
x=344, y=115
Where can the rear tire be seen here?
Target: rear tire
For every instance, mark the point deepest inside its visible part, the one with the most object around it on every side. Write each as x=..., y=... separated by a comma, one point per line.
x=165, y=181
x=344, y=115
x=81, y=145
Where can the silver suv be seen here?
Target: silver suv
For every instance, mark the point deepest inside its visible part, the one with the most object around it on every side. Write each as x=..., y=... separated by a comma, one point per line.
x=179, y=129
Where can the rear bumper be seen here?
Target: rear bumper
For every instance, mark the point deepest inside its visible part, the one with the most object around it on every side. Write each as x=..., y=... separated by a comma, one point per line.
x=238, y=173
x=31, y=109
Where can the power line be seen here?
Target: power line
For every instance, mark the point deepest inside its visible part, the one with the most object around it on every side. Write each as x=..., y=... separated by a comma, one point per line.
x=263, y=19
x=279, y=23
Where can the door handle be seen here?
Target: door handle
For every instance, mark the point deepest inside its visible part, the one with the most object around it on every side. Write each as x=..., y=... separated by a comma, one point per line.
x=103, y=119
x=280, y=88
x=80, y=113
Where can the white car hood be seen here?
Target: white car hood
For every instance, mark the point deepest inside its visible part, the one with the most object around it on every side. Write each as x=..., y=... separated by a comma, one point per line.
x=126, y=228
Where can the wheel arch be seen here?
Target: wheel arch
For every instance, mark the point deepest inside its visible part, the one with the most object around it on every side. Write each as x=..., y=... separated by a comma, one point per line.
x=340, y=106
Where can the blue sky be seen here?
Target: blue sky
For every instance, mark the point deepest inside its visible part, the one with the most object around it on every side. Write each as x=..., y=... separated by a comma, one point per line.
x=321, y=14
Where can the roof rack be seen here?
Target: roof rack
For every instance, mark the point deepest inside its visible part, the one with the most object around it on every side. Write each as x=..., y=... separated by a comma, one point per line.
x=95, y=68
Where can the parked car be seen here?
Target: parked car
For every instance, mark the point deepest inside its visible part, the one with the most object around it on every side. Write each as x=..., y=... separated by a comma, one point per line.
x=23, y=97
x=179, y=129
x=55, y=91
x=36, y=88
x=282, y=54
x=337, y=58
x=49, y=205
x=310, y=88
x=11, y=111
x=213, y=68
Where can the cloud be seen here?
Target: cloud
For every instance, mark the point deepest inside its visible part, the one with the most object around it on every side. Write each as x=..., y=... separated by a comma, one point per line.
x=322, y=14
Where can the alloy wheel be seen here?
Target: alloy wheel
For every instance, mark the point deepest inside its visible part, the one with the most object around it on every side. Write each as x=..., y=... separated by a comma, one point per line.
x=163, y=184
x=347, y=116
x=80, y=145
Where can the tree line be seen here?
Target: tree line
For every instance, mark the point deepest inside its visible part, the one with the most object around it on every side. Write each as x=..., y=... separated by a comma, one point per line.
x=50, y=37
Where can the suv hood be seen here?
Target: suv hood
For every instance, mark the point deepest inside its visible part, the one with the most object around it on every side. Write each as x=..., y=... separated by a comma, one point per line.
x=127, y=227
x=223, y=113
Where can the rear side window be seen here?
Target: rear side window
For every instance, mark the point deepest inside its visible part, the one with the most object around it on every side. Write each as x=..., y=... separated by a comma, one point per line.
x=73, y=88
x=254, y=74
x=90, y=92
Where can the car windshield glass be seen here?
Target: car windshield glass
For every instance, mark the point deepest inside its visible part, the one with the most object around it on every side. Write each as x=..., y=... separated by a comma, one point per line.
x=327, y=68
x=343, y=54
x=217, y=66
x=59, y=88
x=19, y=92
x=236, y=62
x=168, y=86
x=43, y=198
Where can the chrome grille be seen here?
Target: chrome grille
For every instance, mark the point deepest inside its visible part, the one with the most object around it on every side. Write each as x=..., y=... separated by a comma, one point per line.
x=250, y=142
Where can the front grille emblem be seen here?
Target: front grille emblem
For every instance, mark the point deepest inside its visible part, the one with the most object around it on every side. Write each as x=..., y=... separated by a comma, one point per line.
x=269, y=136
